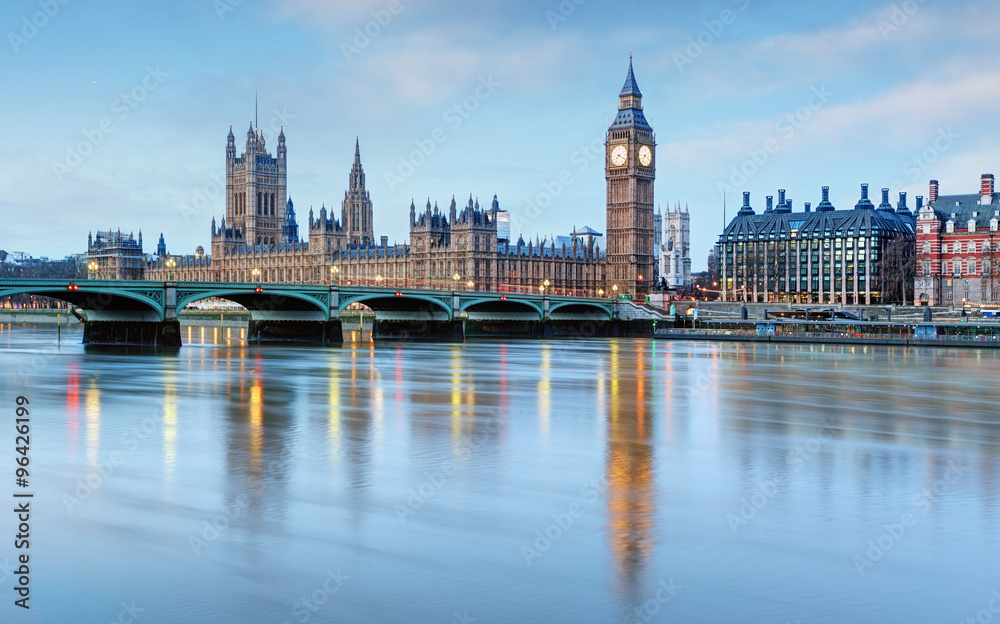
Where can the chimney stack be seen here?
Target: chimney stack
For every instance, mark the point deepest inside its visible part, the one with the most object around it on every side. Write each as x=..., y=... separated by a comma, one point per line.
x=932, y=195
x=920, y=202
x=986, y=189
x=770, y=203
x=808, y=207
x=781, y=197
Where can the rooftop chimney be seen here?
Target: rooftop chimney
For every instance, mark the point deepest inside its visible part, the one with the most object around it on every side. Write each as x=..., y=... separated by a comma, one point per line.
x=808, y=207
x=770, y=203
x=932, y=195
x=901, y=207
x=920, y=202
x=825, y=205
x=746, y=209
x=885, y=205
x=781, y=197
x=986, y=189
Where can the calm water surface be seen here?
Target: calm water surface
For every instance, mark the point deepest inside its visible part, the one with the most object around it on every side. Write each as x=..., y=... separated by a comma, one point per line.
x=525, y=481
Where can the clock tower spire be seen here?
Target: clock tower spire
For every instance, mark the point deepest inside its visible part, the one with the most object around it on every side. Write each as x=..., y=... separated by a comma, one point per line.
x=630, y=170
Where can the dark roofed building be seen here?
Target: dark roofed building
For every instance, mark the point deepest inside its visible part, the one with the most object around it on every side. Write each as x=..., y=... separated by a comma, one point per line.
x=826, y=256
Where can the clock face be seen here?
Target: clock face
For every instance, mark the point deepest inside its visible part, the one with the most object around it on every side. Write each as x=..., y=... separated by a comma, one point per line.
x=645, y=155
x=619, y=155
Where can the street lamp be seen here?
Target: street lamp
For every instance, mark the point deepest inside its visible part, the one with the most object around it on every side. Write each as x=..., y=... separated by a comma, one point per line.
x=334, y=270
x=600, y=292
x=456, y=277
x=615, y=289
x=170, y=265
x=378, y=280
x=92, y=267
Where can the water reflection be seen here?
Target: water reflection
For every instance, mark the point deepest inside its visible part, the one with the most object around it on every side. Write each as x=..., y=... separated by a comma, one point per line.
x=630, y=474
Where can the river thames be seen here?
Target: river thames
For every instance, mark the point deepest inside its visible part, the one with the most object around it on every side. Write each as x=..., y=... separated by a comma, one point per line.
x=519, y=481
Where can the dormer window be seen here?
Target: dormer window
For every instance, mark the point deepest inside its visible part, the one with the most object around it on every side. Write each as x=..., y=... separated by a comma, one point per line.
x=949, y=227
x=972, y=225
x=993, y=224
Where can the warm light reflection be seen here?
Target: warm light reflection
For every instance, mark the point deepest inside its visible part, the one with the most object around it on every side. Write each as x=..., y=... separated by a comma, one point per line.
x=93, y=419
x=72, y=404
x=256, y=424
x=455, y=365
x=629, y=467
x=169, y=427
x=545, y=390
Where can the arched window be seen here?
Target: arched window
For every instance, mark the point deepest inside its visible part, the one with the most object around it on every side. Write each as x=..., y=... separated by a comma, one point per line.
x=272, y=204
x=971, y=267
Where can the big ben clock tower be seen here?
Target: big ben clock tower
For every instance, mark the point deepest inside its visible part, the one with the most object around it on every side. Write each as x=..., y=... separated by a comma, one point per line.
x=630, y=168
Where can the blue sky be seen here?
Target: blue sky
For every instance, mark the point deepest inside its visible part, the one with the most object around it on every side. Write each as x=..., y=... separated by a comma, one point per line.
x=117, y=112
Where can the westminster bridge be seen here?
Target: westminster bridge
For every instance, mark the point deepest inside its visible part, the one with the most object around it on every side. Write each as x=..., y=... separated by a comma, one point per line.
x=145, y=312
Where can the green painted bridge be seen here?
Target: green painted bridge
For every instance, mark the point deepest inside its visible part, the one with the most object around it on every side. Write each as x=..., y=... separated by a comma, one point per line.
x=145, y=312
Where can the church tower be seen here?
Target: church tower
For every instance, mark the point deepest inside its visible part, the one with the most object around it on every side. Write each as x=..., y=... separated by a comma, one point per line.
x=256, y=189
x=356, y=214
x=630, y=169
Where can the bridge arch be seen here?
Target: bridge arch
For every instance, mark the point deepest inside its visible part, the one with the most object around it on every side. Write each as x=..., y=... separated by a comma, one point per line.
x=496, y=307
x=404, y=306
x=258, y=303
x=580, y=310
x=98, y=300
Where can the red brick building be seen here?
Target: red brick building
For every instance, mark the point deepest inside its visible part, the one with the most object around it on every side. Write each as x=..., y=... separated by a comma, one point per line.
x=957, y=256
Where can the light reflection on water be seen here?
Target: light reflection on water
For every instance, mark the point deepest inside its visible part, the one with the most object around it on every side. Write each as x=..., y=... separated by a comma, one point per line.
x=519, y=481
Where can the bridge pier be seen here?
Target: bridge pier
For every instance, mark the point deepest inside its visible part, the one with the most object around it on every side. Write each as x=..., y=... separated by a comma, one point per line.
x=147, y=333
x=315, y=332
x=422, y=330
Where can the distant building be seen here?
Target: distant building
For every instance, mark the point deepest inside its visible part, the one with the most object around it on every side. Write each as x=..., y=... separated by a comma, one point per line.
x=113, y=255
x=675, y=251
x=828, y=256
x=957, y=256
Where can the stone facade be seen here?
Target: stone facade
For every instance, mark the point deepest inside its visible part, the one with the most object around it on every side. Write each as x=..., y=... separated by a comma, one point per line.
x=113, y=255
x=675, y=252
x=464, y=247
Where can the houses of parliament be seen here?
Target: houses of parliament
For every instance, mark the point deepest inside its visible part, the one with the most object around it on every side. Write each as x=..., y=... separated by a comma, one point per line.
x=463, y=246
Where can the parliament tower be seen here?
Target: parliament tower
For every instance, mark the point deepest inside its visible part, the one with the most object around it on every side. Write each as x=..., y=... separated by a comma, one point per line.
x=630, y=169
x=256, y=189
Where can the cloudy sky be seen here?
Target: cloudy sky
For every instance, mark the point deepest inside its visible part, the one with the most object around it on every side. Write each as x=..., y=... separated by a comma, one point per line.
x=117, y=112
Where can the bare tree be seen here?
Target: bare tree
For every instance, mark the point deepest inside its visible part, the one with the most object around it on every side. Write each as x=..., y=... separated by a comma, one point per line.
x=896, y=269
